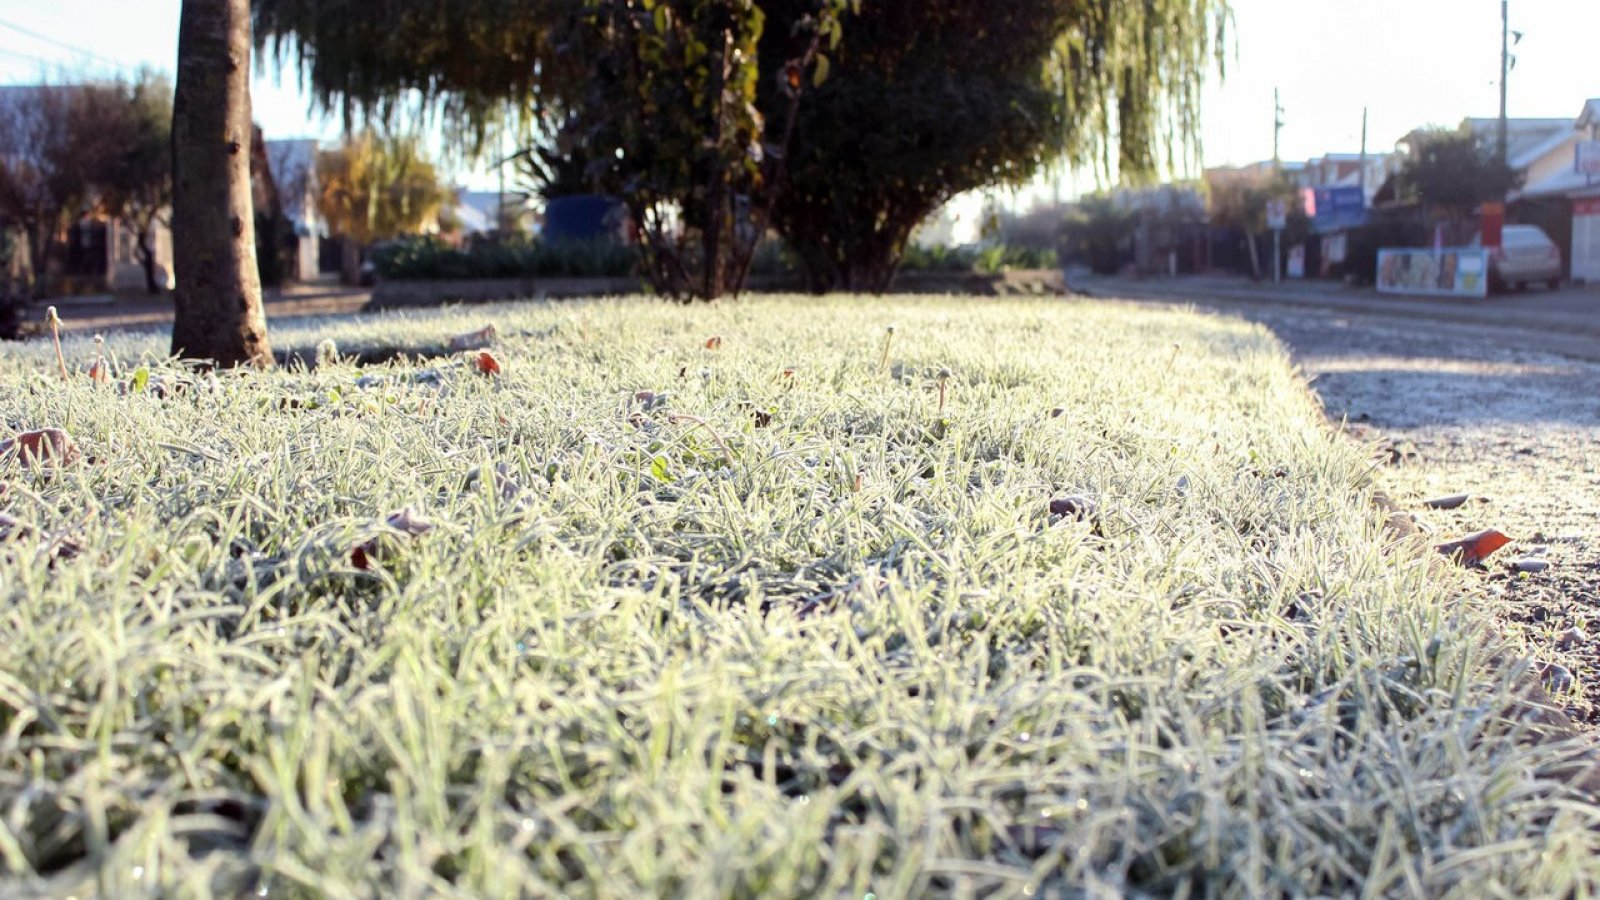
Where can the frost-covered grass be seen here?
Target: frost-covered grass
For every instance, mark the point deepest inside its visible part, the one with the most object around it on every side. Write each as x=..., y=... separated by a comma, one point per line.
x=847, y=653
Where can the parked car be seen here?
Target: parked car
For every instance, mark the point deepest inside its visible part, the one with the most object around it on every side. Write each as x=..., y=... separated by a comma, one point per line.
x=1525, y=255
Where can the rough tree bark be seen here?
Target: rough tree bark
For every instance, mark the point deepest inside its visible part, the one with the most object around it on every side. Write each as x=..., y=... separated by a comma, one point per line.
x=218, y=315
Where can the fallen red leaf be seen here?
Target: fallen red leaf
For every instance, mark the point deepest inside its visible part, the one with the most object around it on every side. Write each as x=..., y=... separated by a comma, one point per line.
x=714, y=342
x=1473, y=549
x=98, y=373
x=45, y=447
x=487, y=364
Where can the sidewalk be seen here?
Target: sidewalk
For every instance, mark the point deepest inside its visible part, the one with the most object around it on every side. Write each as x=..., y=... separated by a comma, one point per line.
x=104, y=311
x=1569, y=311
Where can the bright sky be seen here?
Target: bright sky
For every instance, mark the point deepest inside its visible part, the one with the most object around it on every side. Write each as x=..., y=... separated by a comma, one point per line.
x=1410, y=62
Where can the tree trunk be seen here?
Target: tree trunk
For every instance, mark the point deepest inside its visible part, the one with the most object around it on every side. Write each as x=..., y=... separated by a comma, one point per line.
x=147, y=261
x=218, y=315
x=867, y=265
x=1255, y=257
x=349, y=261
x=41, y=238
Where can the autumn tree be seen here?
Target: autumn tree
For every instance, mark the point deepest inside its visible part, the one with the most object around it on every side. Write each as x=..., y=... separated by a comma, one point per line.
x=375, y=188
x=217, y=309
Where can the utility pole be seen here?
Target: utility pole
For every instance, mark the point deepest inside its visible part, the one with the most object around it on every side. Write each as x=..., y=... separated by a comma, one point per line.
x=1277, y=127
x=1505, y=69
x=1363, y=155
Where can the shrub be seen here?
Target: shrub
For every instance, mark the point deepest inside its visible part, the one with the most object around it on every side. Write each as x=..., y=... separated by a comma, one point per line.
x=986, y=260
x=429, y=259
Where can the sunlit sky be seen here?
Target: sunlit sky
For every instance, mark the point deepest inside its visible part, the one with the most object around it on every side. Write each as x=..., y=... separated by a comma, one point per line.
x=1409, y=62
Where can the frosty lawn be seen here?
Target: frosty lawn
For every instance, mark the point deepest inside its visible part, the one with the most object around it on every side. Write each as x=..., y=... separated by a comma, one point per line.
x=758, y=620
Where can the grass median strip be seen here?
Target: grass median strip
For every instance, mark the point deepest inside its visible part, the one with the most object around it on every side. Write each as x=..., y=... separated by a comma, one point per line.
x=1032, y=597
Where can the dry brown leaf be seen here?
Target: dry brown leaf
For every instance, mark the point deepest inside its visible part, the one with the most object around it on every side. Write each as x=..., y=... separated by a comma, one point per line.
x=473, y=340
x=47, y=447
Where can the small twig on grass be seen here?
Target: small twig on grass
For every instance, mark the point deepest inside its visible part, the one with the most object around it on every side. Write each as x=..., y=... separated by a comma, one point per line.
x=1173, y=361
x=888, y=341
x=702, y=423
x=944, y=379
x=55, y=332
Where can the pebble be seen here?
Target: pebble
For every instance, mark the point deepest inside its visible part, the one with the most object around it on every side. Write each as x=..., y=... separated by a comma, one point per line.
x=1572, y=637
x=1451, y=501
x=1557, y=678
x=1530, y=565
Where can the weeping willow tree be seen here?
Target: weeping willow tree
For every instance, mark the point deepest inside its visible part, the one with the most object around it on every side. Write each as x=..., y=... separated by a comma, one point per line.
x=914, y=102
x=475, y=66
x=933, y=98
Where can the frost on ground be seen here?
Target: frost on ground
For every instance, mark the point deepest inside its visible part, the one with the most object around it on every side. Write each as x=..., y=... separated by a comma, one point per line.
x=1518, y=431
x=1016, y=598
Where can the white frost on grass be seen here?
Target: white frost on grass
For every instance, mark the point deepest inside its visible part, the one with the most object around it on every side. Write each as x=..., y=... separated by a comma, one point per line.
x=856, y=659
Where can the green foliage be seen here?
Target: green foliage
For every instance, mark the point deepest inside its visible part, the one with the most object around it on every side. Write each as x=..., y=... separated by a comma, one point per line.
x=984, y=260
x=428, y=259
x=1097, y=231
x=933, y=98
x=552, y=173
x=670, y=120
x=136, y=182
x=1241, y=202
x=1453, y=172
x=478, y=64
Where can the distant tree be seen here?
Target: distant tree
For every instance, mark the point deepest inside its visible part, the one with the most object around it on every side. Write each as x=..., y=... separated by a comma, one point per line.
x=217, y=309
x=1040, y=227
x=136, y=181
x=1096, y=231
x=376, y=188
x=56, y=143
x=1452, y=173
x=933, y=98
x=1240, y=203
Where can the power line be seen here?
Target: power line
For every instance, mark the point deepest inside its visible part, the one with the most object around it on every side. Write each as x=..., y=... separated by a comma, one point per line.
x=37, y=60
x=62, y=44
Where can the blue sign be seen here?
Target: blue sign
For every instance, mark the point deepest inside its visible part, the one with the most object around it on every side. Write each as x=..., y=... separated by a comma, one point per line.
x=1338, y=208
